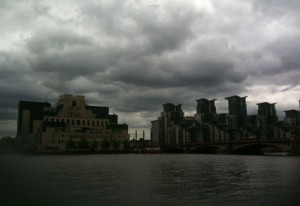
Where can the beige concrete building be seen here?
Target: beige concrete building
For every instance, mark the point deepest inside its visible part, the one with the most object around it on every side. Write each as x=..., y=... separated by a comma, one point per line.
x=70, y=124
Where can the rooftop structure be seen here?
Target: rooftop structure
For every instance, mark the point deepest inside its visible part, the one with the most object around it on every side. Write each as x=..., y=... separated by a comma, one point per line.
x=266, y=109
x=237, y=105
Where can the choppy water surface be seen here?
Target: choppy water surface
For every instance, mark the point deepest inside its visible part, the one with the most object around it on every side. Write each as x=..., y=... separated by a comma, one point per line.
x=183, y=179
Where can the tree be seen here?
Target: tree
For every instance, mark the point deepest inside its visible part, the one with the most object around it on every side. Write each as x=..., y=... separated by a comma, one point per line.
x=126, y=144
x=70, y=144
x=105, y=144
x=93, y=145
x=83, y=143
x=115, y=144
x=7, y=144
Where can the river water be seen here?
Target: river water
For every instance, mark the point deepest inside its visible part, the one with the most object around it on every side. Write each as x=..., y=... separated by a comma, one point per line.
x=162, y=179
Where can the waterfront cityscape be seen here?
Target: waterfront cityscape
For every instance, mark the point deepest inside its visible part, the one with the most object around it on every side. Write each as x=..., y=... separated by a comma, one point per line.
x=152, y=103
x=235, y=131
x=71, y=129
x=73, y=126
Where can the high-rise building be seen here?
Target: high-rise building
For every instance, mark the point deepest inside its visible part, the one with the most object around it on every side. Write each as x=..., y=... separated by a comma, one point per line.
x=206, y=106
x=70, y=124
x=266, y=118
x=206, y=110
x=154, y=132
x=266, y=109
x=237, y=109
x=237, y=105
x=171, y=116
x=292, y=117
x=206, y=115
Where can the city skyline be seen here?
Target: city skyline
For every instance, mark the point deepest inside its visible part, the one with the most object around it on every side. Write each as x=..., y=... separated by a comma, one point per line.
x=173, y=127
x=135, y=56
x=146, y=133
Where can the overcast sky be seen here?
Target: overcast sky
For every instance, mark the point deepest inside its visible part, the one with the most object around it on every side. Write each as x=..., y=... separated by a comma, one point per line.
x=134, y=56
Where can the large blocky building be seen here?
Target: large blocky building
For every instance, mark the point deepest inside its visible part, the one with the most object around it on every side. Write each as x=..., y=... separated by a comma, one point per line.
x=70, y=124
x=171, y=116
x=209, y=126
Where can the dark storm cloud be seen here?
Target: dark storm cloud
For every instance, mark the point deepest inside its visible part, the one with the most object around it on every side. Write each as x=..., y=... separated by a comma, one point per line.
x=279, y=62
x=158, y=29
x=62, y=39
x=199, y=74
x=277, y=7
x=168, y=32
x=15, y=80
x=65, y=55
x=135, y=56
x=288, y=52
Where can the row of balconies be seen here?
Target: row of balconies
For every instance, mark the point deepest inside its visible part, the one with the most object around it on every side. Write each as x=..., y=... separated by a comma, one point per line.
x=79, y=121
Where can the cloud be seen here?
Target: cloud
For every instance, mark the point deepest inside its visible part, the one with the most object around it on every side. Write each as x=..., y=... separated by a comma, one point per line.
x=135, y=56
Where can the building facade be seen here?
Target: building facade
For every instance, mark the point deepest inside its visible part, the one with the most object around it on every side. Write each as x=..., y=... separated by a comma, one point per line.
x=236, y=125
x=70, y=124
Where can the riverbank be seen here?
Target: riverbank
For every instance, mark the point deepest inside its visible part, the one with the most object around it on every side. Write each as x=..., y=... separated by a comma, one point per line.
x=137, y=151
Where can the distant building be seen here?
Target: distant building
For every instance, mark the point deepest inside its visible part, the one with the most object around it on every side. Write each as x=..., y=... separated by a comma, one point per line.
x=266, y=109
x=70, y=124
x=237, y=109
x=171, y=116
x=292, y=117
x=206, y=110
x=236, y=125
x=267, y=118
x=154, y=133
x=205, y=115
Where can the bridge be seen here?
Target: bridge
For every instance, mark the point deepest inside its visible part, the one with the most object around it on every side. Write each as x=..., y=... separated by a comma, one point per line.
x=248, y=146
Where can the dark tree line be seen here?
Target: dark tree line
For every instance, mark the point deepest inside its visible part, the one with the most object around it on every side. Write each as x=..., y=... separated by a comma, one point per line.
x=7, y=144
x=104, y=144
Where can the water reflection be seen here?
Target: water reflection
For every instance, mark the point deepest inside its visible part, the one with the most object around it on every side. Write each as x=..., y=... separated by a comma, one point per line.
x=228, y=179
x=150, y=180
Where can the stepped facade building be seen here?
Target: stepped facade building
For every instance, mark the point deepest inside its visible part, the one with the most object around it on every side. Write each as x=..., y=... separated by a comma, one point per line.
x=172, y=127
x=70, y=124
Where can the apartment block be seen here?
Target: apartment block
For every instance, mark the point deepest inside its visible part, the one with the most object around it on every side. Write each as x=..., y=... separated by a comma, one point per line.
x=236, y=125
